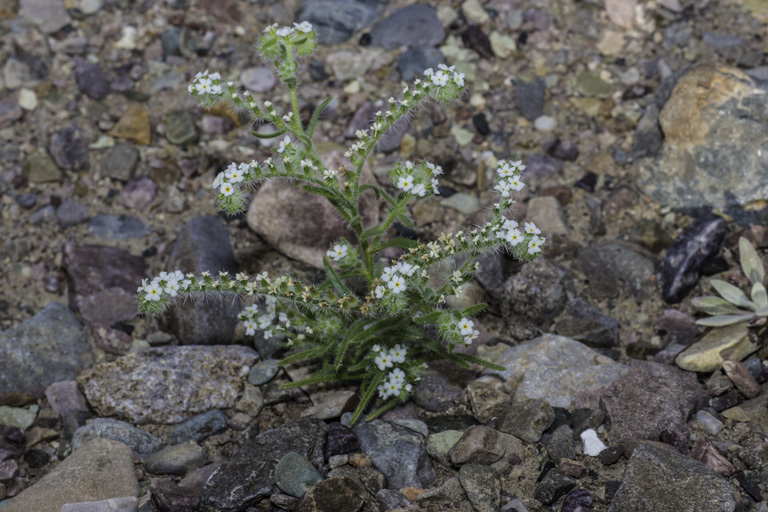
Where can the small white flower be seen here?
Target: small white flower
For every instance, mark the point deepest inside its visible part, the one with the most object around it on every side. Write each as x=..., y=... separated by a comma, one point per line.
x=458, y=79
x=406, y=268
x=376, y=348
x=219, y=180
x=250, y=327
x=504, y=170
x=513, y=237
x=214, y=76
x=518, y=166
x=466, y=326
x=284, y=31
x=227, y=189
x=397, y=284
x=233, y=174
x=435, y=185
x=408, y=388
x=338, y=252
x=388, y=273
x=265, y=321
x=379, y=291
x=284, y=144
x=304, y=26
x=408, y=165
x=329, y=174
x=397, y=353
x=531, y=229
x=383, y=361
x=504, y=188
x=203, y=86
x=534, y=246
x=153, y=292
x=405, y=183
x=251, y=310
x=440, y=78
x=516, y=183
x=397, y=375
x=468, y=338
x=509, y=224
x=428, y=72
x=172, y=288
x=419, y=190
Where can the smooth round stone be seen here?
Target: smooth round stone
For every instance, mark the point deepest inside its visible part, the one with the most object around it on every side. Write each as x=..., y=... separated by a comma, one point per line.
x=258, y=79
x=180, y=128
x=263, y=372
x=175, y=460
x=294, y=474
x=545, y=123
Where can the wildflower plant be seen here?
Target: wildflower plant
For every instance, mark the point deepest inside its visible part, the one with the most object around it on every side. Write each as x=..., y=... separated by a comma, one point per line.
x=385, y=336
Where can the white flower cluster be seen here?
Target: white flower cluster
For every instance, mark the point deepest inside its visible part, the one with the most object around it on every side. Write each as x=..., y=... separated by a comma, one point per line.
x=227, y=180
x=424, y=180
x=394, y=277
x=445, y=75
x=304, y=27
x=511, y=233
x=395, y=381
x=467, y=329
x=338, y=252
x=252, y=320
x=171, y=283
x=510, y=181
x=206, y=84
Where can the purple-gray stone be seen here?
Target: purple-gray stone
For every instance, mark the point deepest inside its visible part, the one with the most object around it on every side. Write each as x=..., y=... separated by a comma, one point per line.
x=698, y=244
x=69, y=148
x=91, y=80
x=413, y=25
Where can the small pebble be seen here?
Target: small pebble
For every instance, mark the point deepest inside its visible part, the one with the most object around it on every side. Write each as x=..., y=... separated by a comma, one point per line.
x=545, y=123
x=711, y=424
x=592, y=444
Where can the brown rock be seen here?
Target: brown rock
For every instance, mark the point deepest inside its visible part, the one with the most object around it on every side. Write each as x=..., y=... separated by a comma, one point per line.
x=741, y=378
x=704, y=451
x=134, y=125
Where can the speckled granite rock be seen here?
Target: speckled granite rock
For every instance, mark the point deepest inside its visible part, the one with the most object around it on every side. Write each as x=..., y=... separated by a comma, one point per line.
x=555, y=369
x=168, y=384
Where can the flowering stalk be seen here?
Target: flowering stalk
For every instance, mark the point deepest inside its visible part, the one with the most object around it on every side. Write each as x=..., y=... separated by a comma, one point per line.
x=385, y=336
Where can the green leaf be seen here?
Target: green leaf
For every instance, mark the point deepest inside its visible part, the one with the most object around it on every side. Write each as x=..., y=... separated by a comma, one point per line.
x=474, y=309
x=392, y=402
x=732, y=294
x=751, y=263
x=312, y=353
x=429, y=318
x=715, y=306
x=316, y=115
x=322, y=377
x=724, y=320
x=269, y=135
x=759, y=295
x=402, y=243
x=373, y=231
x=368, y=392
x=351, y=333
x=371, y=187
x=321, y=191
x=335, y=279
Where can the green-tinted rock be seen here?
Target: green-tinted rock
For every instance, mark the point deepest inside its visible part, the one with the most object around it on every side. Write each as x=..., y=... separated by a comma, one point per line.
x=120, y=162
x=590, y=84
x=439, y=444
x=462, y=135
x=41, y=169
x=707, y=354
x=180, y=128
x=482, y=485
x=294, y=474
x=21, y=417
x=464, y=203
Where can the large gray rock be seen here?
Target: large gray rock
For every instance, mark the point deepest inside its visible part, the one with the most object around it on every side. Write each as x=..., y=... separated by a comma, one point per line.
x=414, y=25
x=715, y=127
x=648, y=399
x=554, y=369
x=99, y=470
x=397, y=450
x=49, y=347
x=667, y=481
x=250, y=476
x=168, y=384
x=203, y=246
x=616, y=266
x=335, y=21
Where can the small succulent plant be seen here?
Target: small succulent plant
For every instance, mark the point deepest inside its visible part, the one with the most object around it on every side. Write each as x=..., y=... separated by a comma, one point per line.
x=735, y=307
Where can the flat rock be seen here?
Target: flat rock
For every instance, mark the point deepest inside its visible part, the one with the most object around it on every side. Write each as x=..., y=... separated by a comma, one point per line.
x=168, y=384
x=203, y=246
x=65, y=397
x=120, y=162
x=198, y=427
x=335, y=21
x=108, y=306
x=529, y=98
x=412, y=62
x=49, y=347
x=667, y=481
x=250, y=475
x=125, y=504
x=134, y=125
x=99, y=470
x=335, y=494
x=397, y=451
x=69, y=148
x=50, y=15
x=92, y=268
x=707, y=354
x=414, y=25
x=482, y=485
x=616, y=266
x=91, y=80
x=294, y=474
x=141, y=442
x=555, y=369
x=715, y=131
x=177, y=459
x=538, y=293
x=117, y=227
x=648, y=399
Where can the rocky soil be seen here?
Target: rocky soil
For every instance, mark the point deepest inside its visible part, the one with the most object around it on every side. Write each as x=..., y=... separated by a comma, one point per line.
x=643, y=126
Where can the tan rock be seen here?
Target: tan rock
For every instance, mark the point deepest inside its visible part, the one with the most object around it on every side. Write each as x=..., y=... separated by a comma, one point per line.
x=707, y=354
x=134, y=125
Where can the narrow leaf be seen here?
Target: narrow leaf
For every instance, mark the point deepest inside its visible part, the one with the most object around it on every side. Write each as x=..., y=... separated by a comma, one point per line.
x=429, y=318
x=269, y=135
x=481, y=362
x=312, y=353
x=369, y=391
x=751, y=263
x=335, y=280
x=371, y=187
x=352, y=331
x=316, y=115
x=715, y=306
x=373, y=231
x=402, y=243
x=759, y=295
x=392, y=402
x=724, y=320
x=732, y=294
x=474, y=309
